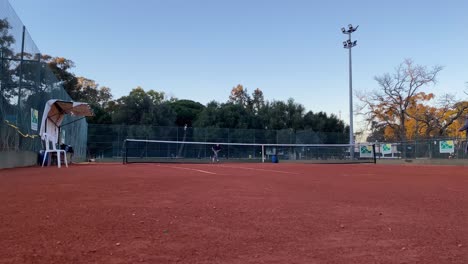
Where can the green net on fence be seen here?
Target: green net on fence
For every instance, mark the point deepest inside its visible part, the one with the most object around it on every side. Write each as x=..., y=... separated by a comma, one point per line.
x=26, y=83
x=426, y=148
x=105, y=141
x=147, y=151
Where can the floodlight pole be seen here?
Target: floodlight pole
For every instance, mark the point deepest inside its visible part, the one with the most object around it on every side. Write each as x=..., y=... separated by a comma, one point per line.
x=349, y=45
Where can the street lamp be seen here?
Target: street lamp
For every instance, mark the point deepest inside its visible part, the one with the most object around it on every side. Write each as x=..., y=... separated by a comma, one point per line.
x=349, y=45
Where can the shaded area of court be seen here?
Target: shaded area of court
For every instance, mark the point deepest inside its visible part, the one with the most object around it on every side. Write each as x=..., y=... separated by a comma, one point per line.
x=234, y=213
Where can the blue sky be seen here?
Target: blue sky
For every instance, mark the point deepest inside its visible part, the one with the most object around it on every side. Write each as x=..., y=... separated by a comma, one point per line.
x=200, y=49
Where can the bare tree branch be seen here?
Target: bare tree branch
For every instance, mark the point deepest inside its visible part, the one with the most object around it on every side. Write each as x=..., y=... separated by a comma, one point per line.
x=398, y=93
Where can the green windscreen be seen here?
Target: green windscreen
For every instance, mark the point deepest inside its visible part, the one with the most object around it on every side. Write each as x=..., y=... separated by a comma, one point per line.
x=26, y=84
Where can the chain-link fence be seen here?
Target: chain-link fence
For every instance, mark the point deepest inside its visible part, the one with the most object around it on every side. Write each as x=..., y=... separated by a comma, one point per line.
x=105, y=141
x=26, y=83
x=431, y=148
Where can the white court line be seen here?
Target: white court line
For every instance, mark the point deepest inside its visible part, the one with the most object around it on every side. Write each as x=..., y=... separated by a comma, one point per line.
x=183, y=168
x=455, y=190
x=257, y=169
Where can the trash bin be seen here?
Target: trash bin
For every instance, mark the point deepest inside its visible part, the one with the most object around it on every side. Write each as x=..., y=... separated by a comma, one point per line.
x=68, y=151
x=40, y=157
x=274, y=159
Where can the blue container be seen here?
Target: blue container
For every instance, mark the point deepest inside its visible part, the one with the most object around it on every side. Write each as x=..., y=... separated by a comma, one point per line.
x=274, y=159
x=40, y=157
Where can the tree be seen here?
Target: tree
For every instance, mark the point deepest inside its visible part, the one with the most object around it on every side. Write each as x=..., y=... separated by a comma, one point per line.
x=239, y=95
x=234, y=116
x=186, y=111
x=253, y=103
x=6, y=53
x=143, y=108
x=227, y=115
x=258, y=102
x=437, y=120
x=61, y=68
x=377, y=132
x=295, y=114
x=329, y=129
x=274, y=115
x=80, y=89
x=7, y=92
x=156, y=97
x=322, y=122
x=398, y=91
x=6, y=39
x=88, y=91
x=99, y=98
x=282, y=119
x=208, y=116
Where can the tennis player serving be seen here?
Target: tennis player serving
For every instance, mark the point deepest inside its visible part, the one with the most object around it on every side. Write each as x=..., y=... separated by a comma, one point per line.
x=216, y=149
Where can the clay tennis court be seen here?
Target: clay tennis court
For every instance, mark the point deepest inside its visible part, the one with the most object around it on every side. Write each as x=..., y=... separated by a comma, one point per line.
x=234, y=213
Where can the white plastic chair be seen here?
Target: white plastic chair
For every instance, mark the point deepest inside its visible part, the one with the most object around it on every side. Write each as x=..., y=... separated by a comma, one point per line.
x=51, y=140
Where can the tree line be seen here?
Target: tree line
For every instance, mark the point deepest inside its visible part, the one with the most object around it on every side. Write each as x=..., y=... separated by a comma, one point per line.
x=241, y=110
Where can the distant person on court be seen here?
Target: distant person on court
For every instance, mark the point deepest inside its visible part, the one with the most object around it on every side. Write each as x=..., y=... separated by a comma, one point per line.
x=216, y=149
x=465, y=128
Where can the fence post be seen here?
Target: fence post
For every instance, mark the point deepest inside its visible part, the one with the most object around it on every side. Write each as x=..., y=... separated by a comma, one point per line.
x=375, y=154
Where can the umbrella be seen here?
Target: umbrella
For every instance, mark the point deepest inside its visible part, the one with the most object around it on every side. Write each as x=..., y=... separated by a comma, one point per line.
x=54, y=113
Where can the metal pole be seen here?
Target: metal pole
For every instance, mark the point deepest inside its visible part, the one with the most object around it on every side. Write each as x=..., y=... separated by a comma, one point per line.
x=349, y=45
x=38, y=78
x=2, y=78
x=351, y=133
x=20, y=78
x=19, y=114
x=1, y=70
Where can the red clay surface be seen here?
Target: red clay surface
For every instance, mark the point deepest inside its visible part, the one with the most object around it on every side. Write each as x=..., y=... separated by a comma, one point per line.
x=234, y=213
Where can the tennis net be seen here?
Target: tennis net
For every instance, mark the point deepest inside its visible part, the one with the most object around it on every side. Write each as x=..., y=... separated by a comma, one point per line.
x=144, y=151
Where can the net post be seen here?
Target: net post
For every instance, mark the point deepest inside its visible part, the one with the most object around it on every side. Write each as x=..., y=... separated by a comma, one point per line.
x=375, y=154
x=263, y=153
x=124, y=152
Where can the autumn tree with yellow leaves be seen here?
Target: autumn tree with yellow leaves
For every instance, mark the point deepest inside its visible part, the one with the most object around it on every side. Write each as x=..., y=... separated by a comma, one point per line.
x=441, y=119
x=400, y=109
